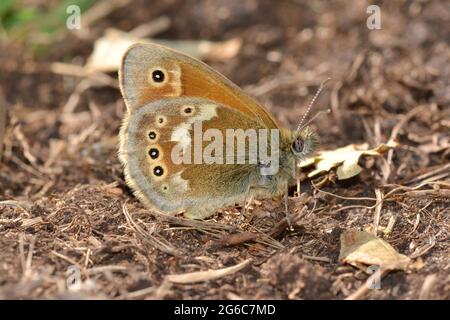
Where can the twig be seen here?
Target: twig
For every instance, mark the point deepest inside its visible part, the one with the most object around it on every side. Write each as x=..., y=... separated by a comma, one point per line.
x=156, y=242
x=237, y=239
x=102, y=9
x=283, y=223
x=440, y=193
x=102, y=269
x=352, y=207
x=213, y=227
x=74, y=98
x=342, y=197
x=66, y=69
x=138, y=293
x=445, y=169
x=399, y=126
x=322, y=259
x=427, y=287
x=25, y=145
x=361, y=291
x=201, y=276
x=357, y=63
x=334, y=101
x=390, y=226
x=151, y=28
x=67, y=259
x=424, y=249
x=377, y=215
x=14, y=203
x=400, y=188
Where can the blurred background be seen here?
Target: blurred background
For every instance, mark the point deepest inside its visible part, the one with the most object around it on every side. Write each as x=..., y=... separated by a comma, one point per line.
x=60, y=107
x=59, y=64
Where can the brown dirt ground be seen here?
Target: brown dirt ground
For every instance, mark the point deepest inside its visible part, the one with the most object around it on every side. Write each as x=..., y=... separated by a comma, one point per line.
x=64, y=188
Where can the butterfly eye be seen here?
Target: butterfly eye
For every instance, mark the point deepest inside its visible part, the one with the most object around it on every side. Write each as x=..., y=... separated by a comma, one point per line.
x=298, y=145
x=158, y=76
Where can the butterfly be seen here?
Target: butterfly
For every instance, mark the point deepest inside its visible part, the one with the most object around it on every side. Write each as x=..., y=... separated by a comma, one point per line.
x=191, y=141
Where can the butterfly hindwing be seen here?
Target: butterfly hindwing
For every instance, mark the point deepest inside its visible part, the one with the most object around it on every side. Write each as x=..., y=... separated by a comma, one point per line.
x=157, y=135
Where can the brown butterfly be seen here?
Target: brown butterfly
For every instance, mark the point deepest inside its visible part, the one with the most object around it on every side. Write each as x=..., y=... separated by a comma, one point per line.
x=193, y=142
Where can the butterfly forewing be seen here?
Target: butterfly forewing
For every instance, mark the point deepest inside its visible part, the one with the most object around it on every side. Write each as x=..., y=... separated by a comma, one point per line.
x=151, y=72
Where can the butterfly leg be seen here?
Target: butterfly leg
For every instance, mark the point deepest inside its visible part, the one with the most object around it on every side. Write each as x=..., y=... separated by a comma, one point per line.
x=298, y=191
x=298, y=187
x=286, y=207
x=247, y=201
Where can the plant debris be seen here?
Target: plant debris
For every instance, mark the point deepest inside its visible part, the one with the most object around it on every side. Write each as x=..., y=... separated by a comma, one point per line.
x=360, y=247
x=345, y=159
x=67, y=214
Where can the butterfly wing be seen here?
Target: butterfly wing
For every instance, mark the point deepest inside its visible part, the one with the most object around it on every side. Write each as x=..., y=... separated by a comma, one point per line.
x=156, y=136
x=150, y=72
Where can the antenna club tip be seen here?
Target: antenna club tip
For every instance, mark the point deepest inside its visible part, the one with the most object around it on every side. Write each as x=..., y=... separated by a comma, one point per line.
x=325, y=81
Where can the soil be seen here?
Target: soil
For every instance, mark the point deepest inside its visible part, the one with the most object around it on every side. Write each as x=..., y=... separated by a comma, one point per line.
x=63, y=199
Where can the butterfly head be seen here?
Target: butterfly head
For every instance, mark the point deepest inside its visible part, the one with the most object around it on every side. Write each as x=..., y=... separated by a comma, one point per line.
x=305, y=140
x=304, y=143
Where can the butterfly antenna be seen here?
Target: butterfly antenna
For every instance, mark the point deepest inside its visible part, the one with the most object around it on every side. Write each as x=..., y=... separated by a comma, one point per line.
x=299, y=127
x=315, y=117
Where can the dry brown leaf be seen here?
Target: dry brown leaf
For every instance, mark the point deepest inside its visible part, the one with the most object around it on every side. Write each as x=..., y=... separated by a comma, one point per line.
x=345, y=159
x=360, y=247
x=201, y=276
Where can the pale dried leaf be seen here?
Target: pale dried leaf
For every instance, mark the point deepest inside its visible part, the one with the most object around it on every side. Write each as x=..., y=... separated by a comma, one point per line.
x=345, y=159
x=360, y=247
x=109, y=49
